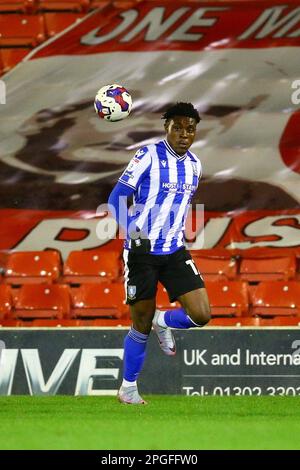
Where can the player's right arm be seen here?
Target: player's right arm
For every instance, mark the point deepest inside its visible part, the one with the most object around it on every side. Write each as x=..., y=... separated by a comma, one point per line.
x=127, y=185
x=137, y=169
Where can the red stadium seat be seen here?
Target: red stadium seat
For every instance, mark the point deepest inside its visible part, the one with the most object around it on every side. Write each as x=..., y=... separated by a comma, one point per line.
x=3, y=260
x=57, y=22
x=276, y=298
x=5, y=301
x=298, y=266
x=99, y=300
x=279, y=321
x=64, y=5
x=235, y=321
x=216, y=268
x=11, y=323
x=11, y=56
x=32, y=267
x=104, y=322
x=87, y=267
x=44, y=323
x=260, y=268
x=42, y=301
x=228, y=298
x=74, y=322
x=162, y=299
x=22, y=6
x=241, y=322
x=21, y=30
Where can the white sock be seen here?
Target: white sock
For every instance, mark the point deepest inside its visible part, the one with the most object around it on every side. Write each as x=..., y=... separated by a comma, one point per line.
x=125, y=383
x=161, y=320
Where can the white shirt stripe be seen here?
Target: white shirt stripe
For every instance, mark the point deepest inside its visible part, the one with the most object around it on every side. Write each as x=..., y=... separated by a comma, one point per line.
x=167, y=204
x=182, y=208
x=154, y=188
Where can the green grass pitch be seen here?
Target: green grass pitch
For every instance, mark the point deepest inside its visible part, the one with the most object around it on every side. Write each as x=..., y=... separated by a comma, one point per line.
x=167, y=422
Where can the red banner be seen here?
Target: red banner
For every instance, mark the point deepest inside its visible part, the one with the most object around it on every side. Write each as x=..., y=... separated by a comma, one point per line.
x=67, y=231
x=181, y=25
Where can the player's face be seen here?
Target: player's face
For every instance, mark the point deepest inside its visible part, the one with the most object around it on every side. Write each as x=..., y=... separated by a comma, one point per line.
x=181, y=131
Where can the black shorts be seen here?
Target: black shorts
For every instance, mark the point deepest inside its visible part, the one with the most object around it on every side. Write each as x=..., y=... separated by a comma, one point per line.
x=177, y=273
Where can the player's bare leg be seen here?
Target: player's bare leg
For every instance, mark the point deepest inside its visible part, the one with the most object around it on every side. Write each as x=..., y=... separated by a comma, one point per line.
x=196, y=306
x=142, y=313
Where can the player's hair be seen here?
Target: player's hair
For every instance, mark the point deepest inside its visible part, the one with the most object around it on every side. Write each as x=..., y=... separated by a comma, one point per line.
x=182, y=109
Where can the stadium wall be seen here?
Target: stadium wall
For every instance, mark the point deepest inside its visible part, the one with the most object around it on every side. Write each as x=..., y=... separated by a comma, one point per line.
x=213, y=361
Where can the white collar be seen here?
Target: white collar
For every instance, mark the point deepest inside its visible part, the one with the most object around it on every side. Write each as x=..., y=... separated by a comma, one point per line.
x=172, y=151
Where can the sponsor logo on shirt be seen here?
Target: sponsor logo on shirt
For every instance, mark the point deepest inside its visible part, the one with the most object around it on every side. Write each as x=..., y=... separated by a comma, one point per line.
x=170, y=185
x=188, y=187
x=179, y=187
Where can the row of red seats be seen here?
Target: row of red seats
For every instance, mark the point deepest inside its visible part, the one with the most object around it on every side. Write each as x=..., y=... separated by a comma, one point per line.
x=46, y=267
x=60, y=301
x=98, y=266
x=250, y=266
x=272, y=322
x=20, y=33
x=31, y=30
x=227, y=299
x=33, y=6
x=237, y=298
x=72, y=5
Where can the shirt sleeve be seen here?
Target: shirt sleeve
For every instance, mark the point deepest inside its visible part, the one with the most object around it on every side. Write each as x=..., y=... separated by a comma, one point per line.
x=137, y=168
x=117, y=205
x=199, y=170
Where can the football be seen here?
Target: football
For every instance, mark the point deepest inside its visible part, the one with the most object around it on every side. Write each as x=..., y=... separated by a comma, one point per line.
x=113, y=103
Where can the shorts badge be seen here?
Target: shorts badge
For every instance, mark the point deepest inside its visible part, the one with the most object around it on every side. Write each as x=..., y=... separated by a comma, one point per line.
x=131, y=291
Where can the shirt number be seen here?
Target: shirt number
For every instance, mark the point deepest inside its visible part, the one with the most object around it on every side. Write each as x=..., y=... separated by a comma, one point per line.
x=190, y=262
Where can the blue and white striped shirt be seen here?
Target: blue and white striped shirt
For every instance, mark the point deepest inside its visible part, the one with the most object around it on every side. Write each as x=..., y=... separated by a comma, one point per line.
x=164, y=183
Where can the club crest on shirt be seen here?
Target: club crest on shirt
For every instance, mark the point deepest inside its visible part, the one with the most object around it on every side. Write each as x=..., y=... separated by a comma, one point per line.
x=131, y=291
x=140, y=153
x=164, y=163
